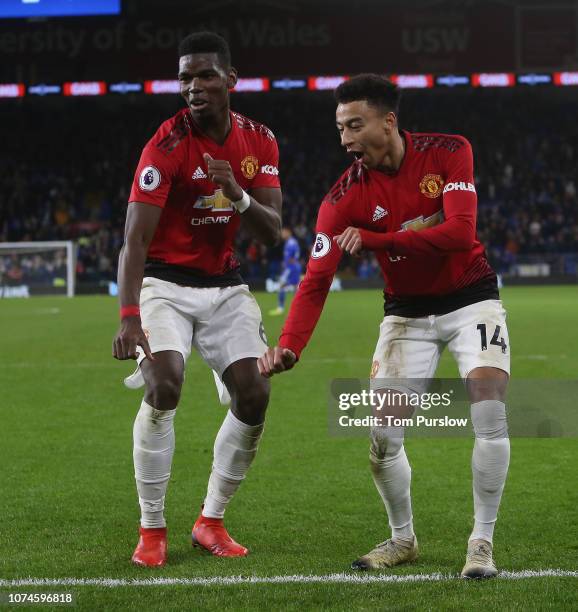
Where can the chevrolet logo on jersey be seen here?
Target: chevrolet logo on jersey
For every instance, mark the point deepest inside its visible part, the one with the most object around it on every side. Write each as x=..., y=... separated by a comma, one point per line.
x=210, y=220
x=419, y=223
x=217, y=202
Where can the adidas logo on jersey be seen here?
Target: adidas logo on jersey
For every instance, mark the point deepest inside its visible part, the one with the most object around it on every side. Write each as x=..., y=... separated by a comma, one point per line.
x=198, y=174
x=379, y=213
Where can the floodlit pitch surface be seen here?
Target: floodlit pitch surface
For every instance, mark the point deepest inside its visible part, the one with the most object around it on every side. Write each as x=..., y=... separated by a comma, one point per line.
x=308, y=506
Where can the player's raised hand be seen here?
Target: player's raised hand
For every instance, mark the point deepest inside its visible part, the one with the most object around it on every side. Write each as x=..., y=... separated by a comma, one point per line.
x=276, y=360
x=350, y=241
x=129, y=336
x=220, y=172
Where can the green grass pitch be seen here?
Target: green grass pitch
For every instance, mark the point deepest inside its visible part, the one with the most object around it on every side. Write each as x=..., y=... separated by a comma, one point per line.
x=308, y=506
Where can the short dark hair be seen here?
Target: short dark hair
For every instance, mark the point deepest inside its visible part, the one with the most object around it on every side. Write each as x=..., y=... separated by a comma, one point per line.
x=206, y=42
x=378, y=91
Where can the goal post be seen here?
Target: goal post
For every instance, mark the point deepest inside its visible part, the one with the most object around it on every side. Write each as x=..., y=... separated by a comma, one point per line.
x=37, y=268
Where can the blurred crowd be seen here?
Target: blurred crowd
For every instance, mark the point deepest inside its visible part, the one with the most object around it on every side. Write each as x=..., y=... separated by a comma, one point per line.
x=67, y=166
x=39, y=267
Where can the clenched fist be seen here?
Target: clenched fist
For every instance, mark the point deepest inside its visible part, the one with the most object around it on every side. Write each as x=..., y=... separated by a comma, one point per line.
x=220, y=172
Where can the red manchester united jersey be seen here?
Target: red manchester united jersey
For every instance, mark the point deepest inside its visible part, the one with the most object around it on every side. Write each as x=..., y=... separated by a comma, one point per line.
x=197, y=226
x=420, y=221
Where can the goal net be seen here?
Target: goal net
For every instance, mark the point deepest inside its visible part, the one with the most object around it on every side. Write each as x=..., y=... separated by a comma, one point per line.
x=37, y=268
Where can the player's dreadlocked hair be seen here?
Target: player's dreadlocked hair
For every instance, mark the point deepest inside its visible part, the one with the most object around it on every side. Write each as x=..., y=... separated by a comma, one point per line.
x=377, y=90
x=206, y=42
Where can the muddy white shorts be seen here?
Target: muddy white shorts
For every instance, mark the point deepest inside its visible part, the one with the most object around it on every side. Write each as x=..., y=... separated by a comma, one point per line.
x=476, y=335
x=223, y=324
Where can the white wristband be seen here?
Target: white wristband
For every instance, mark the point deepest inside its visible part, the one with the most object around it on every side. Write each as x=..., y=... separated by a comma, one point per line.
x=242, y=204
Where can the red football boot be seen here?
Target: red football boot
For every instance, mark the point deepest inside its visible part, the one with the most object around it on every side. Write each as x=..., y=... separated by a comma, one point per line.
x=210, y=533
x=151, y=550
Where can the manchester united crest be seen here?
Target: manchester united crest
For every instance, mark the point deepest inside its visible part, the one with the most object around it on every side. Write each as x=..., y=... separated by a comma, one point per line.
x=250, y=166
x=431, y=185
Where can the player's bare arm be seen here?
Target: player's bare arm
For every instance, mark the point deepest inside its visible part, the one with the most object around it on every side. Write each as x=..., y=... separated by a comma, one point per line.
x=261, y=212
x=276, y=360
x=141, y=222
x=263, y=217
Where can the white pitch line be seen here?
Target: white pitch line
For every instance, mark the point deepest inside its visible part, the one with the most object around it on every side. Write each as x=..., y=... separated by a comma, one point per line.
x=298, y=578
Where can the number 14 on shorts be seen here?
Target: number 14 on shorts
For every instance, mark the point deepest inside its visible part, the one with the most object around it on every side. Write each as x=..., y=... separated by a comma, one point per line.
x=496, y=340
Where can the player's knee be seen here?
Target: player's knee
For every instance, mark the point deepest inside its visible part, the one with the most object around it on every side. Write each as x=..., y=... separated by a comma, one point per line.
x=487, y=383
x=164, y=393
x=250, y=401
x=489, y=419
x=386, y=442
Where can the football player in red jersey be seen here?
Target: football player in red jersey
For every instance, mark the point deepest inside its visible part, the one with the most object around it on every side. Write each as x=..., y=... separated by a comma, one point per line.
x=204, y=172
x=411, y=198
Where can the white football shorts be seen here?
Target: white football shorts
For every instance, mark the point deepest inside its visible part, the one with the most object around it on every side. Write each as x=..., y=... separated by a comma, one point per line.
x=407, y=348
x=223, y=324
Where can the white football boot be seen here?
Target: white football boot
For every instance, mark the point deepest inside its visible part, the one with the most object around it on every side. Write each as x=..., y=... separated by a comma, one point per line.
x=479, y=561
x=386, y=555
